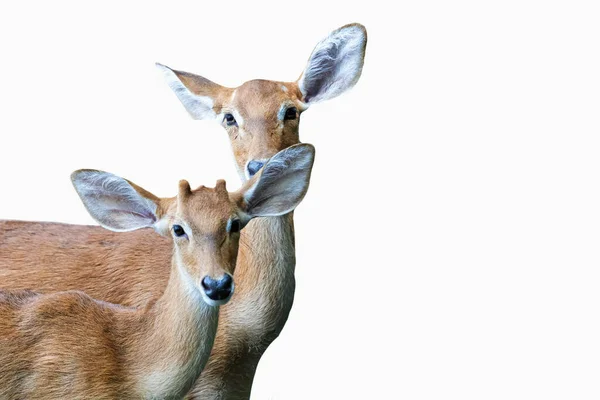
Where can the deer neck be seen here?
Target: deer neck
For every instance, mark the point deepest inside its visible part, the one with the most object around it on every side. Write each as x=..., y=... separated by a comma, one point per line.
x=265, y=276
x=177, y=335
x=273, y=240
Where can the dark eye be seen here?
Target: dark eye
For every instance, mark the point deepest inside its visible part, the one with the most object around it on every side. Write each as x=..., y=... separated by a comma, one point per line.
x=178, y=231
x=235, y=226
x=291, y=113
x=230, y=120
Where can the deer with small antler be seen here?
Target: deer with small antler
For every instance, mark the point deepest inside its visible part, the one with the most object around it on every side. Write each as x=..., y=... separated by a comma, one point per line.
x=69, y=345
x=261, y=117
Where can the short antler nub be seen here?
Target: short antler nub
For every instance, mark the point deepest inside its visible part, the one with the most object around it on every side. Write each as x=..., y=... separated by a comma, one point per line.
x=221, y=188
x=184, y=189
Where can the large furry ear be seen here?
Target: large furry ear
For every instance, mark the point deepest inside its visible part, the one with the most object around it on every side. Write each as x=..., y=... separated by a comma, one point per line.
x=197, y=94
x=335, y=64
x=281, y=184
x=114, y=202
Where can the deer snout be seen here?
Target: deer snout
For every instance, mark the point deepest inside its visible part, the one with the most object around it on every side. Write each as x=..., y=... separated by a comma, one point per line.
x=253, y=167
x=218, y=290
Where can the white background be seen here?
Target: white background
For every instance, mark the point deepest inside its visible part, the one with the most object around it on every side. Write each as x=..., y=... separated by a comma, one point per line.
x=448, y=246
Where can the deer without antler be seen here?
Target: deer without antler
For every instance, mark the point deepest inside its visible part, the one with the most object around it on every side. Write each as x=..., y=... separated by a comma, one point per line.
x=69, y=345
x=261, y=118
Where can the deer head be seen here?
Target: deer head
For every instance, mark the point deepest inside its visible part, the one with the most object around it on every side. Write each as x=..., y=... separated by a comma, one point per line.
x=261, y=116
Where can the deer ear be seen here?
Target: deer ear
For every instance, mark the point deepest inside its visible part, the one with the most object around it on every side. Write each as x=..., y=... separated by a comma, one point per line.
x=197, y=94
x=335, y=64
x=281, y=184
x=114, y=202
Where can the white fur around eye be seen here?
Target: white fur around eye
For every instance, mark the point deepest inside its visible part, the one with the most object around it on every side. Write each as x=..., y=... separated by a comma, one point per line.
x=282, y=110
x=238, y=118
x=162, y=226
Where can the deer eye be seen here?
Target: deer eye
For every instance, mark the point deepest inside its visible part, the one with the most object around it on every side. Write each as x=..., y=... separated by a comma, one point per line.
x=178, y=230
x=235, y=226
x=230, y=120
x=291, y=113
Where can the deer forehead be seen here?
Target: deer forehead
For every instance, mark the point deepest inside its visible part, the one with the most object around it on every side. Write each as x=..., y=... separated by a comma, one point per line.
x=263, y=99
x=205, y=210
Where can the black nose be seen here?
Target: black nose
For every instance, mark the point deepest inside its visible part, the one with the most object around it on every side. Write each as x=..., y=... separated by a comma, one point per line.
x=218, y=289
x=254, y=166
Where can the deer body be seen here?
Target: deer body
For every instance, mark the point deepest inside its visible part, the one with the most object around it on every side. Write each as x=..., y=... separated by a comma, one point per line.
x=261, y=118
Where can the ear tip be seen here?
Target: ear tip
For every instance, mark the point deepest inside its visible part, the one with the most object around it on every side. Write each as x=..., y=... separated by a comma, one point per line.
x=82, y=173
x=75, y=176
x=358, y=28
x=355, y=25
x=306, y=147
x=76, y=173
x=162, y=67
x=300, y=151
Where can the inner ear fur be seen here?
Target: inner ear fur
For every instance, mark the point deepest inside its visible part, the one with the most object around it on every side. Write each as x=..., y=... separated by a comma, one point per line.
x=335, y=65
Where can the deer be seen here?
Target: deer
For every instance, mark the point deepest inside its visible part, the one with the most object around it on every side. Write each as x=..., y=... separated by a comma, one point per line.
x=261, y=118
x=70, y=345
